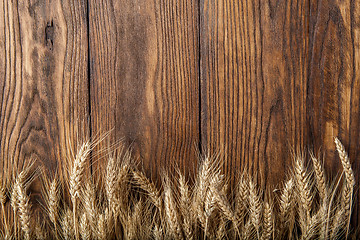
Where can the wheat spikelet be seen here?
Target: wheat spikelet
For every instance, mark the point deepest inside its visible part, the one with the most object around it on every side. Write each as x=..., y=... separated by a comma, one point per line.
x=320, y=177
x=67, y=225
x=24, y=210
x=171, y=210
x=225, y=207
x=50, y=191
x=149, y=187
x=308, y=232
x=185, y=203
x=53, y=201
x=221, y=231
x=89, y=202
x=2, y=196
x=121, y=191
x=303, y=186
x=286, y=209
x=255, y=206
x=85, y=230
x=268, y=227
x=337, y=223
x=110, y=183
x=101, y=233
x=22, y=199
x=242, y=191
x=40, y=234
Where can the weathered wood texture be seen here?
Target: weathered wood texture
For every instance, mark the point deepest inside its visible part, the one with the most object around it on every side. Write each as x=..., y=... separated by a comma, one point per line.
x=278, y=76
x=253, y=83
x=43, y=81
x=144, y=78
x=334, y=81
x=255, y=79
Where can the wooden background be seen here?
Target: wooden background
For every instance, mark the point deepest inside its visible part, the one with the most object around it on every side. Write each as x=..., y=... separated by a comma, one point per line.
x=254, y=79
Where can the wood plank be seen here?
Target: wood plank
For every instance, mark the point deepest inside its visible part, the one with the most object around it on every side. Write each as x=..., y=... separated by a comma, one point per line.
x=253, y=84
x=144, y=78
x=334, y=82
x=43, y=82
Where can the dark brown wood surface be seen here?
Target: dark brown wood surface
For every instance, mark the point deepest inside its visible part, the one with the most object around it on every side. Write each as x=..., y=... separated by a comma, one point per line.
x=278, y=77
x=43, y=81
x=144, y=78
x=256, y=80
x=334, y=82
x=253, y=83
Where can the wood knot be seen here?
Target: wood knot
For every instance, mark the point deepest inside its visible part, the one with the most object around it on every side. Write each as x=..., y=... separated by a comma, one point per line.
x=49, y=34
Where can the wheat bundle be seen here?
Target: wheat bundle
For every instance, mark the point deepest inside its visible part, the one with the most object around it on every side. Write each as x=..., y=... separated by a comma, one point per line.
x=125, y=204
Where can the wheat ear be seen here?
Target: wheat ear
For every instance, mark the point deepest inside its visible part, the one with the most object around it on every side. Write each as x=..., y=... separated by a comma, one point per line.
x=40, y=234
x=85, y=229
x=225, y=207
x=149, y=187
x=76, y=176
x=101, y=232
x=304, y=194
x=348, y=189
x=255, y=206
x=203, y=202
x=67, y=225
x=242, y=192
x=52, y=200
x=320, y=177
x=171, y=210
x=24, y=210
x=268, y=225
x=122, y=191
x=110, y=183
x=286, y=203
x=89, y=202
x=221, y=231
x=185, y=202
x=22, y=199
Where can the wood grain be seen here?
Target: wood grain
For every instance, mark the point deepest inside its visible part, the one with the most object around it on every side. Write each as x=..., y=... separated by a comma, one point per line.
x=254, y=66
x=43, y=82
x=144, y=78
x=334, y=82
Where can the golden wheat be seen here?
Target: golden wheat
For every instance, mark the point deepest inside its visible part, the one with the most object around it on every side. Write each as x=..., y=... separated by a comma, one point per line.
x=125, y=204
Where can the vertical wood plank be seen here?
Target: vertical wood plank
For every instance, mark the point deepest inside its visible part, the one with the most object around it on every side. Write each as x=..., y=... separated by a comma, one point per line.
x=43, y=81
x=334, y=82
x=144, y=78
x=253, y=84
